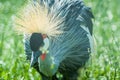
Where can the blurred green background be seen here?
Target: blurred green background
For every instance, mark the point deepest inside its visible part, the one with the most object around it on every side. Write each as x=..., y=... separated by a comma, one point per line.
x=104, y=63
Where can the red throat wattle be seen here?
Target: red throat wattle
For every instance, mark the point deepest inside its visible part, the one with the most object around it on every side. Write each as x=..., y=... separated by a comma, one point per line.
x=43, y=56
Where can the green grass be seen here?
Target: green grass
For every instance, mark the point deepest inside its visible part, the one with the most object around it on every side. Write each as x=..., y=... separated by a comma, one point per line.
x=104, y=63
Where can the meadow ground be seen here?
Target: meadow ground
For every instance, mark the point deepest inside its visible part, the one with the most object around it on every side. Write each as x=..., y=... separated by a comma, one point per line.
x=104, y=63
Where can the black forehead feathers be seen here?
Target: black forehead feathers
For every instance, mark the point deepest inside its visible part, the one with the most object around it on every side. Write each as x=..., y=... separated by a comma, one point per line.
x=36, y=41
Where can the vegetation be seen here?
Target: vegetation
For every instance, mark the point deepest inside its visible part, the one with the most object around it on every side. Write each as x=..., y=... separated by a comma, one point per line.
x=104, y=63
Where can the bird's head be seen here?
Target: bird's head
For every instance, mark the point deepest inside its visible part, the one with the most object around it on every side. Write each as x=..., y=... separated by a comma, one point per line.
x=39, y=44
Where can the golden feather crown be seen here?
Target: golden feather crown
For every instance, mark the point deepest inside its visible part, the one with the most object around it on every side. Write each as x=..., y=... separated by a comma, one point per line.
x=34, y=18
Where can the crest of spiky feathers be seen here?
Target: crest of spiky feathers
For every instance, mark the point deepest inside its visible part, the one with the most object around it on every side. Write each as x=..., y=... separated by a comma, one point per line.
x=34, y=18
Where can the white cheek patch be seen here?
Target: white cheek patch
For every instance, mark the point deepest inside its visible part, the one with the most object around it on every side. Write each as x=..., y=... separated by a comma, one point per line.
x=44, y=49
x=46, y=43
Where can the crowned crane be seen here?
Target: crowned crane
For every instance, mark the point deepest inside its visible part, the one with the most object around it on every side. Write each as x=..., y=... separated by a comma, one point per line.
x=57, y=36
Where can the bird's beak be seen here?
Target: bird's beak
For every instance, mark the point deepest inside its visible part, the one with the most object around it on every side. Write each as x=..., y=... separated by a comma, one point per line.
x=34, y=57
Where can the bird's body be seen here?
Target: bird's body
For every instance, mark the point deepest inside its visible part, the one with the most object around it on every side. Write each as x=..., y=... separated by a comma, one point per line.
x=69, y=43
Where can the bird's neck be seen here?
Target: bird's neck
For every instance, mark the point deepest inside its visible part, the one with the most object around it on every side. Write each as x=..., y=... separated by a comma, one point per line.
x=47, y=64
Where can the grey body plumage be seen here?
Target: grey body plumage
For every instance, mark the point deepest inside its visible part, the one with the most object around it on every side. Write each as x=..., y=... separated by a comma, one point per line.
x=71, y=49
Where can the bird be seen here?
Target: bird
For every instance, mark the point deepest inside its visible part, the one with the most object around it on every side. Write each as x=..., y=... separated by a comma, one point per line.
x=58, y=36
